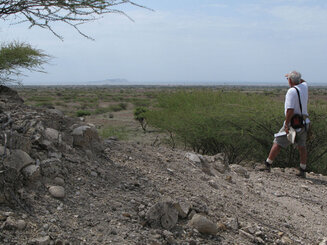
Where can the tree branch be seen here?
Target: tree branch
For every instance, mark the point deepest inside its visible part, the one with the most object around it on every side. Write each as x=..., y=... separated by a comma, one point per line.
x=72, y=12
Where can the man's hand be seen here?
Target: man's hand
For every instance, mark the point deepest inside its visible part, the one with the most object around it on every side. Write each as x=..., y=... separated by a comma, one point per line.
x=286, y=129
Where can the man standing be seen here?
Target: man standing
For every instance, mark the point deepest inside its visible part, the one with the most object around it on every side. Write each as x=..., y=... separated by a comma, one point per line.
x=292, y=107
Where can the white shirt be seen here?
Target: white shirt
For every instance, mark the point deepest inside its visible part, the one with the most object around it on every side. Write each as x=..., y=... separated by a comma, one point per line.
x=292, y=100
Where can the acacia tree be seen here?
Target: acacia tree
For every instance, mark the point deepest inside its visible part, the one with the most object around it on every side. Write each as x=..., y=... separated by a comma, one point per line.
x=17, y=56
x=44, y=13
x=72, y=12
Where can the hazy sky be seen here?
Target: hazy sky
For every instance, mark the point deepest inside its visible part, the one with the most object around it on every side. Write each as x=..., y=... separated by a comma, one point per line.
x=188, y=40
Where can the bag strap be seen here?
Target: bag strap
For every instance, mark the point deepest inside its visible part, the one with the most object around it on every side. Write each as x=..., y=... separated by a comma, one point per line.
x=298, y=93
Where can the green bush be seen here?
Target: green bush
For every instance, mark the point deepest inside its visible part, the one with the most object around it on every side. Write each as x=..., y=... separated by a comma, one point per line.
x=82, y=113
x=101, y=110
x=123, y=106
x=139, y=115
x=44, y=104
x=40, y=98
x=119, y=107
x=237, y=124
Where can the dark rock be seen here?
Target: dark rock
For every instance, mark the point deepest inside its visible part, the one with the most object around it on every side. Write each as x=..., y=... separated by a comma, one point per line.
x=86, y=137
x=18, y=159
x=9, y=95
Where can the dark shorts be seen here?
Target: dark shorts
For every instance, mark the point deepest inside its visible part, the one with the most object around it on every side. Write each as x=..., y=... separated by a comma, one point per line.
x=300, y=139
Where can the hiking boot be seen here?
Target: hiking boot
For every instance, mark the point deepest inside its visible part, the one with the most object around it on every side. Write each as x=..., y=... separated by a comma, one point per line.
x=301, y=173
x=266, y=167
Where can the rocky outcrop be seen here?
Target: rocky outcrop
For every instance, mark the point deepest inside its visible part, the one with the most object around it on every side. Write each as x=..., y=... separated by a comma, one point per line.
x=9, y=95
x=39, y=145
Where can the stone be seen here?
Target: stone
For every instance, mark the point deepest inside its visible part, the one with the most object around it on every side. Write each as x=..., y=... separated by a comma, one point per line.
x=203, y=225
x=248, y=235
x=21, y=224
x=219, y=157
x=286, y=240
x=239, y=170
x=183, y=209
x=57, y=155
x=9, y=224
x=12, y=224
x=162, y=215
x=18, y=159
x=51, y=134
x=213, y=184
x=86, y=137
x=324, y=241
x=94, y=174
x=220, y=167
x=2, y=150
x=193, y=157
x=40, y=241
x=31, y=172
x=169, y=237
x=59, y=181
x=57, y=191
x=56, y=112
x=233, y=223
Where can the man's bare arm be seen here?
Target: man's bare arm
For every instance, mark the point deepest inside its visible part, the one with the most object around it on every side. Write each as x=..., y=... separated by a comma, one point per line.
x=289, y=114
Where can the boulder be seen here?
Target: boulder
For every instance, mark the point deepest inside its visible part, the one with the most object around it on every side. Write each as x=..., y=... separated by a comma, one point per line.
x=18, y=160
x=31, y=172
x=12, y=224
x=56, y=112
x=59, y=181
x=193, y=157
x=57, y=191
x=183, y=209
x=51, y=134
x=203, y=225
x=10, y=95
x=86, y=137
x=162, y=215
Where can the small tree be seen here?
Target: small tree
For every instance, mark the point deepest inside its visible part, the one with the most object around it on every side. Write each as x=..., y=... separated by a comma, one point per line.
x=139, y=115
x=17, y=56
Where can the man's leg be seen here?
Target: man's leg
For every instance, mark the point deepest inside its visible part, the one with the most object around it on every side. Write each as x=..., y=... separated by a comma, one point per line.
x=303, y=161
x=274, y=151
x=303, y=154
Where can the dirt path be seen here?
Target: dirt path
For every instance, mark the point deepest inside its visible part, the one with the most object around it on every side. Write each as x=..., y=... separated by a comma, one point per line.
x=106, y=202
